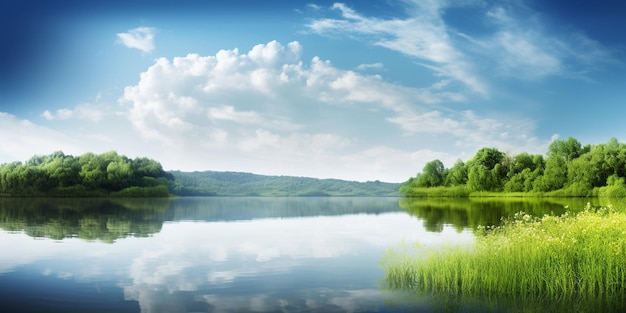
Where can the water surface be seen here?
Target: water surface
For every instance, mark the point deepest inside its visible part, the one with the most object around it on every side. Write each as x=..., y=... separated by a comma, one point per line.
x=222, y=254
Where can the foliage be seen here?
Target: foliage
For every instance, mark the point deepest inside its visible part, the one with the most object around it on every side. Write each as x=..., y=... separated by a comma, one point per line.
x=569, y=170
x=581, y=256
x=452, y=192
x=88, y=175
x=211, y=183
x=432, y=175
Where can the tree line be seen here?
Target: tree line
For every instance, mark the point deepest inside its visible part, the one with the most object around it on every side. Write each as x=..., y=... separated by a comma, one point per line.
x=88, y=175
x=567, y=169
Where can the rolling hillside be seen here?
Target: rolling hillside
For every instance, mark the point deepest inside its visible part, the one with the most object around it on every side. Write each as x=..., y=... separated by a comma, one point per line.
x=211, y=183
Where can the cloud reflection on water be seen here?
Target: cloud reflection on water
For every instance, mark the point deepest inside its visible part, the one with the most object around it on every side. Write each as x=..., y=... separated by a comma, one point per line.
x=251, y=265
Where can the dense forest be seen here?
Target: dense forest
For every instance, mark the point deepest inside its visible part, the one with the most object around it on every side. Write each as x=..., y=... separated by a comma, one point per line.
x=568, y=169
x=209, y=183
x=88, y=175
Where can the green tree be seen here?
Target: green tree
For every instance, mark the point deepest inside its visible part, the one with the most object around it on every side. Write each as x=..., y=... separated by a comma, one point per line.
x=432, y=175
x=93, y=170
x=554, y=175
x=119, y=174
x=568, y=149
x=486, y=171
x=520, y=162
x=62, y=170
x=457, y=175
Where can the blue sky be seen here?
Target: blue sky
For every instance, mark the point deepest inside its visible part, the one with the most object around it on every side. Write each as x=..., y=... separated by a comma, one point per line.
x=358, y=90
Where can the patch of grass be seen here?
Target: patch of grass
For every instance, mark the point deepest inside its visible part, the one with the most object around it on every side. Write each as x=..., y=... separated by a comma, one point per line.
x=501, y=194
x=464, y=192
x=436, y=192
x=552, y=257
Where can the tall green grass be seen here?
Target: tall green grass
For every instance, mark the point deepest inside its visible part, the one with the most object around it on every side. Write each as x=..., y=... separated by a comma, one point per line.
x=552, y=257
x=440, y=191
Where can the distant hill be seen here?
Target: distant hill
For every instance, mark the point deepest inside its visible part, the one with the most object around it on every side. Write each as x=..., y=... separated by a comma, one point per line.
x=212, y=183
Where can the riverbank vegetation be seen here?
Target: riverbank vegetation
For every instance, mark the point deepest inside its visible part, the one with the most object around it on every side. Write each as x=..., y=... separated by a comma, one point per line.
x=89, y=175
x=572, y=256
x=569, y=169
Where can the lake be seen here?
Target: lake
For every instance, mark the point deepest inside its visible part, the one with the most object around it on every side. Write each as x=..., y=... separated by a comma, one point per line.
x=228, y=254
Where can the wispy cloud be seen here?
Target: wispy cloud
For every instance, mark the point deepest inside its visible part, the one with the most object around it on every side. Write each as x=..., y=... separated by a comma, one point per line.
x=141, y=38
x=423, y=35
x=519, y=46
x=90, y=112
x=373, y=66
x=20, y=137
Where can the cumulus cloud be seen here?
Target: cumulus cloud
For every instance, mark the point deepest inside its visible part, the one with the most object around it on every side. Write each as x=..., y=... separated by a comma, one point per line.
x=269, y=109
x=141, y=38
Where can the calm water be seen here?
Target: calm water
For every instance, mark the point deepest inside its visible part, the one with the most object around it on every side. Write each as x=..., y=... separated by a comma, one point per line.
x=224, y=254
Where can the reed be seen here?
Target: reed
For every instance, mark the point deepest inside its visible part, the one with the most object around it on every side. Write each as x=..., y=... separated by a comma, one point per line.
x=553, y=257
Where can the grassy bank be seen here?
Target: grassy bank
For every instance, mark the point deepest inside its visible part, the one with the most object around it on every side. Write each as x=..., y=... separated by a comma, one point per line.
x=614, y=191
x=464, y=192
x=435, y=192
x=582, y=255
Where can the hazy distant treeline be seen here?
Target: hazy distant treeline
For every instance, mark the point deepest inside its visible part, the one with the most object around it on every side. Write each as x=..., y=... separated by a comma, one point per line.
x=247, y=184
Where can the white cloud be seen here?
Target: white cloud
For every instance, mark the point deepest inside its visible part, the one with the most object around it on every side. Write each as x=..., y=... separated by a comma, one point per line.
x=141, y=38
x=524, y=46
x=276, y=114
x=373, y=66
x=423, y=35
x=228, y=112
x=520, y=46
x=90, y=112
